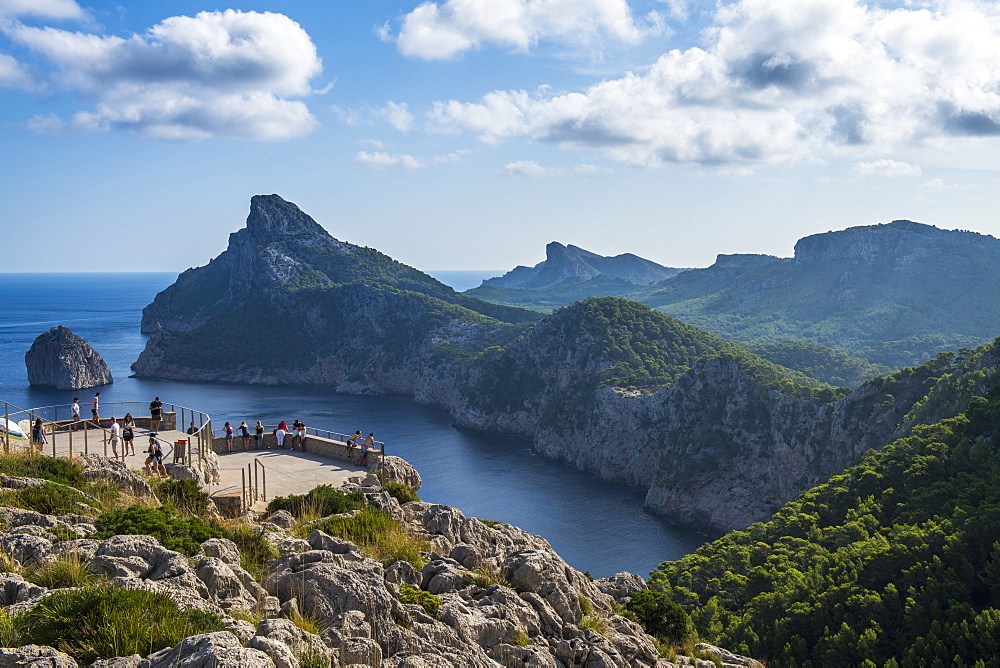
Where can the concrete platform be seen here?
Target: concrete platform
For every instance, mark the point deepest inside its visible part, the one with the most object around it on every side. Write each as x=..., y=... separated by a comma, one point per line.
x=287, y=472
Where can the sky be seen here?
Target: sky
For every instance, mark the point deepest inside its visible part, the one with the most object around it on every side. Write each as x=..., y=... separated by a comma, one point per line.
x=467, y=134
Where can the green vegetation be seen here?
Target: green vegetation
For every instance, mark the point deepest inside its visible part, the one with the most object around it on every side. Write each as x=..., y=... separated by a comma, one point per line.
x=318, y=502
x=819, y=362
x=660, y=616
x=401, y=492
x=51, y=499
x=426, y=600
x=60, y=573
x=185, y=497
x=376, y=533
x=183, y=534
x=484, y=576
x=31, y=465
x=254, y=546
x=895, y=562
x=101, y=622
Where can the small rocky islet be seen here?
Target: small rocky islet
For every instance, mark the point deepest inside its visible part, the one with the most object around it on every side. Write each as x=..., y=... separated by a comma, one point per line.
x=480, y=593
x=59, y=358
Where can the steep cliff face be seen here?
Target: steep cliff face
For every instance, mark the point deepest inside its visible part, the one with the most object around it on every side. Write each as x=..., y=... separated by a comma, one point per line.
x=717, y=435
x=61, y=359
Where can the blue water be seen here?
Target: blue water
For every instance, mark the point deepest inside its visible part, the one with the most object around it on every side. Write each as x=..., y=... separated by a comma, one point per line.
x=595, y=525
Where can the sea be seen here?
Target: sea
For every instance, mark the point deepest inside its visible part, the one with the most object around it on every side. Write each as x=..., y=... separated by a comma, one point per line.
x=596, y=526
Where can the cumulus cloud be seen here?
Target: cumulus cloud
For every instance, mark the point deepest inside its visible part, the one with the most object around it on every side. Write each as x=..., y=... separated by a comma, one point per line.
x=398, y=116
x=215, y=74
x=890, y=168
x=381, y=160
x=444, y=30
x=531, y=169
x=45, y=9
x=776, y=82
x=13, y=74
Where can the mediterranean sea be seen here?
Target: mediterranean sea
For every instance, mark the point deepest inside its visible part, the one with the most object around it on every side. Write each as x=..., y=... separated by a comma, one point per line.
x=595, y=525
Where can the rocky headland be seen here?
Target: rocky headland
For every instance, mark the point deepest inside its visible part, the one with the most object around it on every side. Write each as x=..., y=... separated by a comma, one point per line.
x=61, y=359
x=715, y=434
x=481, y=593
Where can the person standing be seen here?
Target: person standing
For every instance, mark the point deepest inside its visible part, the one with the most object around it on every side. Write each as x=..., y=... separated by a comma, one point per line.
x=229, y=438
x=366, y=445
x=114, y=437
x=128, y=434
x=95, y=409
x=76, y=412
x=259, y=434
x=155, y=413
x=245, y=434
x=154, y=462
x=38, y=434
x=279, y=434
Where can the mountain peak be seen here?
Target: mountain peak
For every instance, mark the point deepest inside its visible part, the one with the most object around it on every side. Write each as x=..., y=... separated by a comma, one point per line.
x=272, y=216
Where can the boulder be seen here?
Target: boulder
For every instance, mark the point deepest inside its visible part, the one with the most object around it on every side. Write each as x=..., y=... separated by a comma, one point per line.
x=15, y=590
x=299, y=641
x=129, y=481
x=61, y=359
x=396, y=469
x=132, y=661
x=621, y=586
x=35, y=657
x=282, y=518
x=209, y=650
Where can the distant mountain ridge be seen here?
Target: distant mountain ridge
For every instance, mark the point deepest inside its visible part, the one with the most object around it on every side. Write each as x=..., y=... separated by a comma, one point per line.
x=894, y=293
x=562, y=262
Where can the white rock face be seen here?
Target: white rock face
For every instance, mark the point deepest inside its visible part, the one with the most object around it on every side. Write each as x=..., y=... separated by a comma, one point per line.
x=61, y=359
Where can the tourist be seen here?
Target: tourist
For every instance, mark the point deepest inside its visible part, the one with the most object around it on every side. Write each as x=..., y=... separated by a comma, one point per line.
x=279, y=434
x=302, y=436
x=155, y=413
x=128, y=434
x=76, y=412
x=95, y=409
x=114, y=437
x=192, y=429
x=154, y=462
x=229, y=438
x=352, y=442
x=38, y=434
x=259, y=434
x=245, y=433
x=368, y=444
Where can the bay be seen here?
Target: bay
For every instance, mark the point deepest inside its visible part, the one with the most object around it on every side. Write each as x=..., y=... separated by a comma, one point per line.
x=595, y=525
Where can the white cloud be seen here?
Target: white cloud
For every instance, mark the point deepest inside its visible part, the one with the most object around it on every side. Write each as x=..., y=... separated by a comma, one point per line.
x=381, y=161
x=216, y=74
x=13, y=74
x=776, y=82
x=885, y=167
x=44, y=9
x=528, y=168
x=398, y=116
x=447, y=29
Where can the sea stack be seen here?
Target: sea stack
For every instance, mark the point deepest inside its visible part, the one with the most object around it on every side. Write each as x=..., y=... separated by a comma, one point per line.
x=61, y=359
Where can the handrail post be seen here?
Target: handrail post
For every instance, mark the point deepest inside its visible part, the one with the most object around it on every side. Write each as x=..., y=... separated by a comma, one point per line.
x=53, y=425
x=86, y=447
x=6, y=427
x=264, y=475
x=243, y=496
x=71, y=437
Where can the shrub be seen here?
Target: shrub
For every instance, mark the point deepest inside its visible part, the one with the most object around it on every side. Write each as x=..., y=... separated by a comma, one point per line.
x=183, y=534
x=104, y=622
x=62, y=572
x=426, y=600
x=255, y=548
x=484, y=576
x=31, y=465
x=308, y=623
x=184, y=496
x=318, y=502
x=401, y=492
x=660, y=616
x=376, y=533
x=50, y=499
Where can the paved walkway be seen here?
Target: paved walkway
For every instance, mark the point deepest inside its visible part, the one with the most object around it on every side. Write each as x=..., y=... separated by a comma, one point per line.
x=288, y=472
x=92, y=441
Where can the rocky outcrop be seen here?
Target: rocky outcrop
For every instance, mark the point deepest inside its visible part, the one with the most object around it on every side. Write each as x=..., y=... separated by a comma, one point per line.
x=61, y=359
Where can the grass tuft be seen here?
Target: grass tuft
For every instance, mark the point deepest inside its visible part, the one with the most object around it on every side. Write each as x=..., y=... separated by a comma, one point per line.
x=65, y=571
x=376, y=533
x=484, y=576
x=401, y=492
x=412, y=596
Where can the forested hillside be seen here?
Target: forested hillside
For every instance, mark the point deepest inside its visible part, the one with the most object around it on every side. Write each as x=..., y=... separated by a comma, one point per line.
x=895, y=562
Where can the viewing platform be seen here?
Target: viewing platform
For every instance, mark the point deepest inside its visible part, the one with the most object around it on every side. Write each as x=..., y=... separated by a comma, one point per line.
x=236, y=480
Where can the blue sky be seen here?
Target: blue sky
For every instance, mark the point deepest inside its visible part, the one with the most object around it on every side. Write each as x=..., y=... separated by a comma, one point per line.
x=465, y=134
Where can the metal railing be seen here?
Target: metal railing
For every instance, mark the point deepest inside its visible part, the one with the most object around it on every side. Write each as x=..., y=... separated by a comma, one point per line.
x=59, y=419
x=321, y=433
x=254, y=478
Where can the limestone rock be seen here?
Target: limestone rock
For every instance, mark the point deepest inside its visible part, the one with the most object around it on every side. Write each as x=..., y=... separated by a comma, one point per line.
x=61, y=359
x=282, y=518
x=132, y=661
x=621, y=585
x=128, y=481
x=209, y=650
x=726, y=657
x=35, y=656
x=16, y=590
x=396, y=469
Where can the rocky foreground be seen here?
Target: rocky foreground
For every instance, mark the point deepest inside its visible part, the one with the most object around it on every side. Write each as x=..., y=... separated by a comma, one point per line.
x=538, y=612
